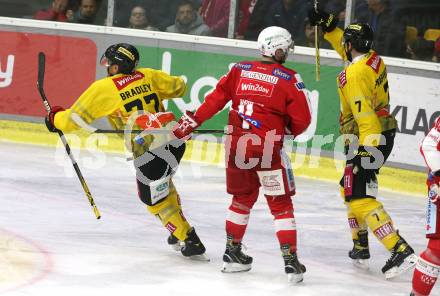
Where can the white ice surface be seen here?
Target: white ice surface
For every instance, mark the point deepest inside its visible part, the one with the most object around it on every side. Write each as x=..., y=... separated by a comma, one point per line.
x=51, y=243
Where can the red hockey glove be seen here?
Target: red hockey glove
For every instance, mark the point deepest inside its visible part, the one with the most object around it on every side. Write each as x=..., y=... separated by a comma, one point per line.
x=50, y=118
x=186, y=125
x=156, y=120
x=433, y=183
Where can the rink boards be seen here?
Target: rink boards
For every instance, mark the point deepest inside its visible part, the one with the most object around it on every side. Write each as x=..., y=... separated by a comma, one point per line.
x=74, y=50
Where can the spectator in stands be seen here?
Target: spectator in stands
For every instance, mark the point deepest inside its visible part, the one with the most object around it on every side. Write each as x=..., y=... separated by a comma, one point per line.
x=85, y=14
x=421, y=49
x=188, y=21
x=389, y=31
x=57, y=12
x=139, y=20
x=290, y=15
x=215, y=14
x=437, y=51
x=337, y=8
x=250, y=26
x=245, y=10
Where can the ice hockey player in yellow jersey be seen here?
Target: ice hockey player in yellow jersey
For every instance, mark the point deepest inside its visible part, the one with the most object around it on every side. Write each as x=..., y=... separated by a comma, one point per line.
x=125, y=93
x=366, y=125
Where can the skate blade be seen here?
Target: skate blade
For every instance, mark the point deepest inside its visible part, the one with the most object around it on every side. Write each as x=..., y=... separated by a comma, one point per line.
x=235, y=267
x=201, y=257
x=361, y=264
x=294, y=278
x=408, y=263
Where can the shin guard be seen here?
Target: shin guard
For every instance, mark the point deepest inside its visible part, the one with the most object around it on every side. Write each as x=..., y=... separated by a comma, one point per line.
x=170, y=214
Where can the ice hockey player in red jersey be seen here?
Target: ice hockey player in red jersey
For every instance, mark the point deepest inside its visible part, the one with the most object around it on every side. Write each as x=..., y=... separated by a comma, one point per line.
x=428, y=266
x=267, y=99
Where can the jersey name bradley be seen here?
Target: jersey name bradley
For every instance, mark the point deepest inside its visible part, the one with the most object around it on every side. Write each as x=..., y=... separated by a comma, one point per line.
x=135, y=91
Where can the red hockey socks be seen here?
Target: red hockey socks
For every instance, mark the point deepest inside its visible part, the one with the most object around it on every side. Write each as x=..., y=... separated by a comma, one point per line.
x=285, y=228
x=238, y=215
x=426, y=273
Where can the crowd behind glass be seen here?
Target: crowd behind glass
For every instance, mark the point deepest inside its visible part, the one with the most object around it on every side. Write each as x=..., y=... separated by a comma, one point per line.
x=403, y=28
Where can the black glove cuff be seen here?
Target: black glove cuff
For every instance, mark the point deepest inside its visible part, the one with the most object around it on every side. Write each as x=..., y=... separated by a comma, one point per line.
x=330, y=23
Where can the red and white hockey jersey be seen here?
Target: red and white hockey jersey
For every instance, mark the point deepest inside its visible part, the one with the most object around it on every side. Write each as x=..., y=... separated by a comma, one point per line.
x=266, y=97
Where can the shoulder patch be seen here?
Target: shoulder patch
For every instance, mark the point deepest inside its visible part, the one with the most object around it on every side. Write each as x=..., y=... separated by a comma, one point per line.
x=374, y=62
x=342, y=79
x=123, y=81
x=243, y=66
x=299, y=84
x=281, y=74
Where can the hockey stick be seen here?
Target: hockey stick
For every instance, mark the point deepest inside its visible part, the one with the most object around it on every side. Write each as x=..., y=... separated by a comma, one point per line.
x=157, y=131
x=40, y=82
x=317, y=58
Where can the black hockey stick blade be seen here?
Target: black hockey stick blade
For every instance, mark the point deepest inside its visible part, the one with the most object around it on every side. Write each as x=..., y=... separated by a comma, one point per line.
x=41, y=69
x=40, y=80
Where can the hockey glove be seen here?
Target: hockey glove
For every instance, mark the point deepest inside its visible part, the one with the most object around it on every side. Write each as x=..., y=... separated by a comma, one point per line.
x=327, y=22
x=186, y=125
x=433, y=183
x=50, y=119
x=360, y=163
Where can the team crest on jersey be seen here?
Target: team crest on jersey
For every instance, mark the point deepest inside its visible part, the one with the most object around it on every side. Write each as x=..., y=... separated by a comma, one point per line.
x=243, y=66
x=342, y=79
x=122, y=82
x=374, y=62
x=252, y=87
x=282, y=74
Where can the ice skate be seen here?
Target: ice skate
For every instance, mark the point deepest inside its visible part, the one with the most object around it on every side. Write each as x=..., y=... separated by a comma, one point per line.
x=174, y=243
x=234, y=260
x=293, y=268
x=360, y=252
x=402, y=258
x=193, y=248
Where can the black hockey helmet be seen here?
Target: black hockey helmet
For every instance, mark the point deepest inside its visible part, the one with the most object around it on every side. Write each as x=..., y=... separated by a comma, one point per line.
x=125, y=55
x=360, y=35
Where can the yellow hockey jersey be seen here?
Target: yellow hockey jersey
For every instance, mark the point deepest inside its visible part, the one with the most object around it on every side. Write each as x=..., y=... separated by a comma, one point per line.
x=364, y=94
x=118, y=96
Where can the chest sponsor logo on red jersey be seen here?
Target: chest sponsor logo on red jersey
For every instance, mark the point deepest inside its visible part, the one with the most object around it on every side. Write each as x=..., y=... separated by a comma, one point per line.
x=259, y=76
x=122, y=82
x=342, y=78
x=374, y=62
x=251, y=87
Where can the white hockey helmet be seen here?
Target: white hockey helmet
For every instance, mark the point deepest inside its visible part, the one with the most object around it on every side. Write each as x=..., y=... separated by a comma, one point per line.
x=273, y=38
